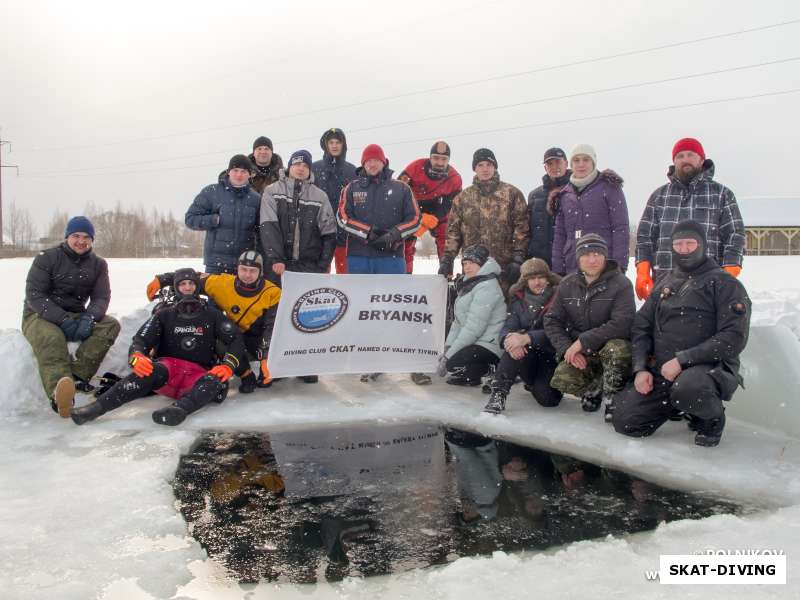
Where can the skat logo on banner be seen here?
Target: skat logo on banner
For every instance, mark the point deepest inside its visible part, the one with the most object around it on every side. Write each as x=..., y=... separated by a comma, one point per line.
x=319, y=309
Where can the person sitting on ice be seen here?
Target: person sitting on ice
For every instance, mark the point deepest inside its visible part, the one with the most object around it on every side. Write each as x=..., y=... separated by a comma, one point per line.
x=473, y=343
x=247, y=299
x=175, y=354
x=687, y=338
x=528, y=352
x=60, y=282
x=589, y=325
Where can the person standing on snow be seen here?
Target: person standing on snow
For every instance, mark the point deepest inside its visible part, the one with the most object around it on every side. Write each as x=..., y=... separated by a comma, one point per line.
x=331, y=174
x=60, y=282
x=247, y=299
x=691, y=193
x=589, y=325
x=266, y=164
x=543, y=205
x=490, y=213
x=378, y=214
x=175, y=354
x=228, y=212
x=528, y=352
x=434, y=184
x=687, y=339
x=592, y=202
x=473, y=343
x=298, y=227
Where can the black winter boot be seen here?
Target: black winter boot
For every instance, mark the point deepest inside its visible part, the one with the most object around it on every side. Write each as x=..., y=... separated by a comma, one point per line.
x=497, y=402
x=248, y=383
x=709, y=432
x=591, y=403
x=309, y=378
x=87, y=413
x=207, y=389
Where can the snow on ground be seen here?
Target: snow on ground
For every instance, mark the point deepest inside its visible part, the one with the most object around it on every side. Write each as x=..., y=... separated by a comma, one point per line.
x=89, y=512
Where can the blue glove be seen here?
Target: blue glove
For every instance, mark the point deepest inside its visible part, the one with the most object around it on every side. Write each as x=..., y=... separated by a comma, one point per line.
x=70, y=327
x=85, y=327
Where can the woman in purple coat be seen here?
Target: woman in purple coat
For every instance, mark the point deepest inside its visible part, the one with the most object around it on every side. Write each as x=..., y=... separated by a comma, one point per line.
x=592, y=202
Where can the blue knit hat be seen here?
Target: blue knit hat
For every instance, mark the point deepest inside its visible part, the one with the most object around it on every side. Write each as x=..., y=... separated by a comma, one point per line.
x=301, y=156
x=79, y=225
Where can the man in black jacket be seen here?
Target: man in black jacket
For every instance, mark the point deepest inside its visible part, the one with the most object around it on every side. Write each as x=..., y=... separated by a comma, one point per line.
x=686, y=344
x=60, y=282
x=175, y=354
x=589, y=325
x=543, y=204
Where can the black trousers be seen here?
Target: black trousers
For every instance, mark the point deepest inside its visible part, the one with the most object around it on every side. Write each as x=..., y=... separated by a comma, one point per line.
x=472, y=362
x=536, y=370
x=697, y=391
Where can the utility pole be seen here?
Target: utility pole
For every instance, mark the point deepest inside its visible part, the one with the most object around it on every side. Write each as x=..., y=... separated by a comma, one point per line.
x=2, y=166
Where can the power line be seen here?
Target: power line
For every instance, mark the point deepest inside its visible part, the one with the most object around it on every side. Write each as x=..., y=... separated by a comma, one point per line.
x=454, y=114
x=430, y=90
x=482, y=131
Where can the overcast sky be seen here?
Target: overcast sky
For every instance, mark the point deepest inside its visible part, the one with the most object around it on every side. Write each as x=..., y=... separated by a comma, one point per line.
x=143, y=103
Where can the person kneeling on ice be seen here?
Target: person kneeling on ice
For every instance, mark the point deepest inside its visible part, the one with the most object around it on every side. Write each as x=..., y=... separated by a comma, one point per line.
x=182, y=340
x=589, y=324
x=60, y=282
x=687, y=338
x=473, y=343
x=528, y=352
x=247, y=299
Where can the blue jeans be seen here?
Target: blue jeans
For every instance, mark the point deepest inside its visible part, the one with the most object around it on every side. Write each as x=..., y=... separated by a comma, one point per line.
x=383, y=265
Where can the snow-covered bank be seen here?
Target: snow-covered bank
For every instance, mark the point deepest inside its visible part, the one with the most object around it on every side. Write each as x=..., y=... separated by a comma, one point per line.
x=89, y=512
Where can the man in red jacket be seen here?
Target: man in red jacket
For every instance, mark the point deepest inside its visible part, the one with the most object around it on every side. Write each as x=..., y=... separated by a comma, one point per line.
x=434, y=184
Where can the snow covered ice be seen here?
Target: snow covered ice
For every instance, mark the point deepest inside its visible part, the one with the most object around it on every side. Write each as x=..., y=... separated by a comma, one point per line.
x=89, y=512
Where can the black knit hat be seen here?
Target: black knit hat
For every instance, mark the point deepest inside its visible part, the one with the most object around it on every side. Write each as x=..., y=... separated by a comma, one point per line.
x=482, y=154
x=591, y=242
x=262, y=140
x=689, y=229
x=476, y=253
x=440, y=148
x=240, y=161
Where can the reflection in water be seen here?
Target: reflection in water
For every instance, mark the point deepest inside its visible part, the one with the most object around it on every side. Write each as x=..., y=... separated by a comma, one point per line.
x=359, y=501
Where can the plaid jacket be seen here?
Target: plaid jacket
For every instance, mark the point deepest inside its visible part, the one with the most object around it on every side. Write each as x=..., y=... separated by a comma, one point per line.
x=704, y=200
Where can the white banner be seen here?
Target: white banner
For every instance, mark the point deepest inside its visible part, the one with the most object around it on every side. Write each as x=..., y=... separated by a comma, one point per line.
x=358, y=324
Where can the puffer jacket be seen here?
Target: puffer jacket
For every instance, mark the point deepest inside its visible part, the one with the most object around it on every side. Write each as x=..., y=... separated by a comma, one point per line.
x=61, y=281
x=594, y=313
x=527, y=317
x=229, y=216
x=297, y=224
x=480, y=311
x=599, y=208
x=542, y=211
x=491, y=213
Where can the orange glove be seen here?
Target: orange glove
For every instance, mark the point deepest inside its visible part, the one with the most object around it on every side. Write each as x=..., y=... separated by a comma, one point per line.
x=733, y=269
x=427, y=222
x=142, y=365
x=267, y=378
x=644, y=281
x=153, y=288
x=221, y=372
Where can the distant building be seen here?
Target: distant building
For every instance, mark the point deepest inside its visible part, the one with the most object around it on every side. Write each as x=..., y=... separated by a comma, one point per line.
x=772, y=225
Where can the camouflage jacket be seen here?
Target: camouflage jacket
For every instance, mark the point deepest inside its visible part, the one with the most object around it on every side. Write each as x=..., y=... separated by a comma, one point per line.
x=492, y=213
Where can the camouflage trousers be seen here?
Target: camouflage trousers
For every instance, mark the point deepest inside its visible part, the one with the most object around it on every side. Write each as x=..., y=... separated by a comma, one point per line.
x=606, y=373
x=50, y=348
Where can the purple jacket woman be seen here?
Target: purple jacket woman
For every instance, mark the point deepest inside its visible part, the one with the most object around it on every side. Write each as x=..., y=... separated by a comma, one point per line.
x=599, y=208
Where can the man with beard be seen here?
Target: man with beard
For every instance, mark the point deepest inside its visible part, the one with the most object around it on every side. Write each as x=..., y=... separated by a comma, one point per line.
x=687, y=339
x=247, y=299
x=175, y=354
x=331, y=174
x=491, y=213
x=543, y=204
x=434, y=183
x=267, y=164
x=691, y=193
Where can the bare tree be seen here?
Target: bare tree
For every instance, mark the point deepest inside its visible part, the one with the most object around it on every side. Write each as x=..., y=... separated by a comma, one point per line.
x=19, y=227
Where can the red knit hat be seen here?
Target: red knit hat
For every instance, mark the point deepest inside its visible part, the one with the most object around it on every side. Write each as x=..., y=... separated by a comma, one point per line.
x=688, y=144
x=373, y=151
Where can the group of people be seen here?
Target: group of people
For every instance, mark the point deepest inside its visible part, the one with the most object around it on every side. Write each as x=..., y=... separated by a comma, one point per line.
x=542, y=295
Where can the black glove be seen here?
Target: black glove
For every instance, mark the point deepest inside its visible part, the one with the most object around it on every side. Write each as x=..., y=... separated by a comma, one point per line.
x=69, y=326
x=387, y=241
x=512, y=272
x=446, y=266
x=85, y=327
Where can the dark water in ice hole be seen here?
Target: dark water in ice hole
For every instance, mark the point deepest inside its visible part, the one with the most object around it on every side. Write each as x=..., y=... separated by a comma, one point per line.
x=319, y=504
